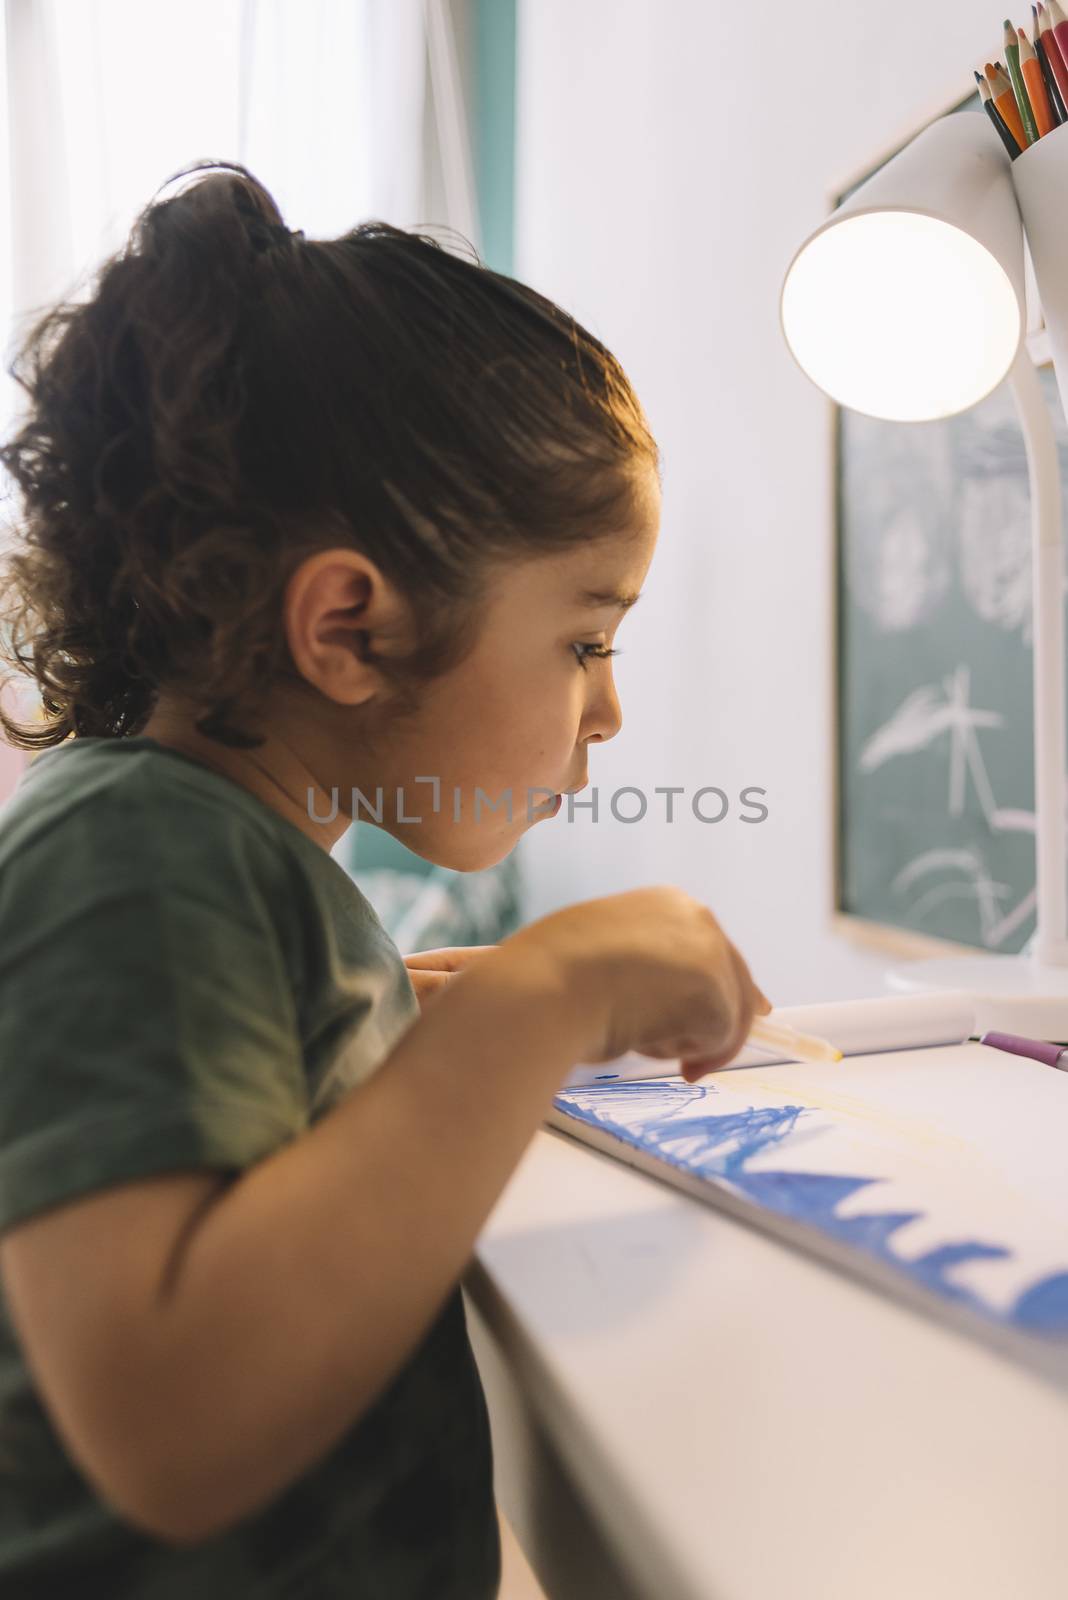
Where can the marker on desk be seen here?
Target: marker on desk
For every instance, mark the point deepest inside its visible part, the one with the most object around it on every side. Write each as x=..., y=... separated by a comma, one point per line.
x=1054, y=1055
x=874, y=1025
x=778, y=1036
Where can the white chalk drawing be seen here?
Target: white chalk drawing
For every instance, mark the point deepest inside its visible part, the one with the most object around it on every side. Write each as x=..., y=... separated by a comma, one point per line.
x=936, y=758
x=995, y=555
x=921, y=719
x=900, y=560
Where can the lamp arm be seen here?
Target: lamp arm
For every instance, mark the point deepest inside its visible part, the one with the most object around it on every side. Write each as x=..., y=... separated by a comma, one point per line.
x=1050, y=943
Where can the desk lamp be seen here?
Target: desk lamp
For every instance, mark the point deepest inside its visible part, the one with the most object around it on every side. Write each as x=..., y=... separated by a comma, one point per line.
x=908, y=304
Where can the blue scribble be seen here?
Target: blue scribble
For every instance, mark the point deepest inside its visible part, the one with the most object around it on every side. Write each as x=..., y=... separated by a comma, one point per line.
x=1044, y=1306
x=675, y=1126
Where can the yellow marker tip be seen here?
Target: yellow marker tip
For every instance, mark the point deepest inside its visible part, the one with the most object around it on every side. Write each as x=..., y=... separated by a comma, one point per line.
x=838, y=1055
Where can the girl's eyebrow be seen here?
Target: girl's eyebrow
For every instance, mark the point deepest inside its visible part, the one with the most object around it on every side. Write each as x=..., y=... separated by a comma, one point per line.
x=607, y=597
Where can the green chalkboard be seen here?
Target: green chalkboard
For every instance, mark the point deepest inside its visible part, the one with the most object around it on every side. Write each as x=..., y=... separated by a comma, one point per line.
x=935, y=754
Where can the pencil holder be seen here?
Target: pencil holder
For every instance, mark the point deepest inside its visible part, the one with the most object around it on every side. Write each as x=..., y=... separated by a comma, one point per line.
x=1040, y=178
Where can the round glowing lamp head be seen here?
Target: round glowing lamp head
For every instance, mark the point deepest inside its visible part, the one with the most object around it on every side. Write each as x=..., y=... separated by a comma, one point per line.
x=900, y=316
x=908, y=303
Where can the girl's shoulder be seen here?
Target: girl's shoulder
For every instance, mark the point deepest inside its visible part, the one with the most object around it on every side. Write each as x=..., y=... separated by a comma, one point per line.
x=98, y=817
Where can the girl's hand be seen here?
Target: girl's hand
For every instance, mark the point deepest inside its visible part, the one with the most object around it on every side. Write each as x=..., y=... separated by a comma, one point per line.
x=653, y=971
x=431, y=970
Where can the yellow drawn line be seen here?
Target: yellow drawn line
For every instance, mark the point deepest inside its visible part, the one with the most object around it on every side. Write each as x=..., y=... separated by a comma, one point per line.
x=858, y=1111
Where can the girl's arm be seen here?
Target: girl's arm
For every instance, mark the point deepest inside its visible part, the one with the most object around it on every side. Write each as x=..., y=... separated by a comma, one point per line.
x=248, y=1325
x=228, y=1334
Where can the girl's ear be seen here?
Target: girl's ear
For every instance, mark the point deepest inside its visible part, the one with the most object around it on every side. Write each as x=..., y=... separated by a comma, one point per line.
x=340, y=616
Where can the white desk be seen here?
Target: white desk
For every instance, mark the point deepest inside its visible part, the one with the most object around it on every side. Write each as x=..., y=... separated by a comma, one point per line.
x=685, y=1409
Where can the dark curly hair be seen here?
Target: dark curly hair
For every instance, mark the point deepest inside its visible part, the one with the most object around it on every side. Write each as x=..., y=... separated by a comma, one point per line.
x=231, y=398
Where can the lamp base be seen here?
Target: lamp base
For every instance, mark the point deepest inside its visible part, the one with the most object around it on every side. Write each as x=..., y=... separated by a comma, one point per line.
x=1014, y=994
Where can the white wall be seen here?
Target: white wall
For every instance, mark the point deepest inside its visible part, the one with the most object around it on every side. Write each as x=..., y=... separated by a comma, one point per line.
x=660, y=196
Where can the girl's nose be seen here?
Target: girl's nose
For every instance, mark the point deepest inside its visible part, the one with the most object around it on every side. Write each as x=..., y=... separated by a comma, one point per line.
x=605, y=716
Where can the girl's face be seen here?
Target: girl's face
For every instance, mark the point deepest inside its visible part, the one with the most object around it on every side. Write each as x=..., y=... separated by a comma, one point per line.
x=517, y=717
x=491, y=743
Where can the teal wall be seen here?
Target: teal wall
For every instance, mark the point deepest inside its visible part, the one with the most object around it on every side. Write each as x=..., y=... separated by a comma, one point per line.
x=493, y=135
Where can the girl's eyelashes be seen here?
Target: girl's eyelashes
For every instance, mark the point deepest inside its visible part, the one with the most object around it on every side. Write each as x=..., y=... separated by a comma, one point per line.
x=598, y=651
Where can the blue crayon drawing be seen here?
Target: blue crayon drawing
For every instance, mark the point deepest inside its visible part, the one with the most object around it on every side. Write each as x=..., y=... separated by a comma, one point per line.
x=677, y=1122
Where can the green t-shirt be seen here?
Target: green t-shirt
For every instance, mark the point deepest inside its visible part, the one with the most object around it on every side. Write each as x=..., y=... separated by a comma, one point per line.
x=188, y=980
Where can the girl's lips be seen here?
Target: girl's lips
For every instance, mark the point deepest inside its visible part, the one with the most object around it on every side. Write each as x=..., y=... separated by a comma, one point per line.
x=552, y=806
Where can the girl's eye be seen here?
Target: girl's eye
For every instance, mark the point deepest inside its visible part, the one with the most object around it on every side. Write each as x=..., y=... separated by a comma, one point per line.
x=599, y=652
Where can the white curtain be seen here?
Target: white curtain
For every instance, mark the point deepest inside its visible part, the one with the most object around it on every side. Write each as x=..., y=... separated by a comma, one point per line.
x=344, y=109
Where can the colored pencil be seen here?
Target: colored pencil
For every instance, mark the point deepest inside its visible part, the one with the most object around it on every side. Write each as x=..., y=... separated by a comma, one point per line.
x=996, y=118
x=1050, y=58
x=1058, y=23
x=1005, y=101
x=1019, y=87
x=1031, y=73
x=1051, y=53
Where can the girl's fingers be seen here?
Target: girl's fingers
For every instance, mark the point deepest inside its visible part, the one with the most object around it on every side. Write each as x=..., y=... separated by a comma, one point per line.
x=749, y=1005
x=452, y=959
x=696, y=1066
x=428, y=984
x=749, y=984
x=750, y=1001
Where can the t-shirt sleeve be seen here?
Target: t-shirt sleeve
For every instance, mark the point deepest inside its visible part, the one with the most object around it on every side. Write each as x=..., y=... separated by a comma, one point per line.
x=148, y=1023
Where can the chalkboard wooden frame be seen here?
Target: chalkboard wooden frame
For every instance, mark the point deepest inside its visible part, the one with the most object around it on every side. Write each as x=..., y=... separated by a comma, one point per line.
x=882, y=937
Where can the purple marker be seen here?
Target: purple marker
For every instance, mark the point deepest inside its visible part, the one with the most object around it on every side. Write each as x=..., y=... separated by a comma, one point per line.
x=1054, y=1055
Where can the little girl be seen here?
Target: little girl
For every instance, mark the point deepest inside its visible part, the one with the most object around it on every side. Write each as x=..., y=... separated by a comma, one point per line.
x=313, y=530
